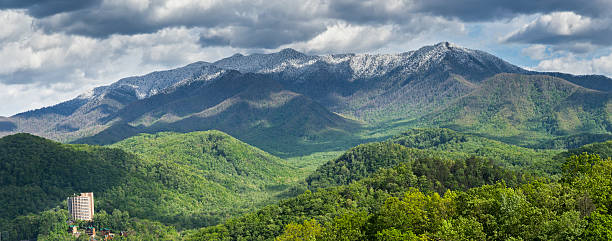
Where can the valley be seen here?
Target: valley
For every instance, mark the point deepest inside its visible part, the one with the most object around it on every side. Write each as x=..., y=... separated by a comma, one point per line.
x=282, y=145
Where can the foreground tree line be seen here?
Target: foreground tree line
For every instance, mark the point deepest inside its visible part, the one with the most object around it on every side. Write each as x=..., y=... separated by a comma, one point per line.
x=53, y=224
x=426, y=185
x=387, y=206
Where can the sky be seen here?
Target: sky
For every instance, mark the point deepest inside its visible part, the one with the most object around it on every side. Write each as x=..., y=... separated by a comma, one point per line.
x=52, y=51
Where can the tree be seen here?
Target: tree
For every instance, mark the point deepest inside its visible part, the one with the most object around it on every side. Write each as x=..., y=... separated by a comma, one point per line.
x=309, y=230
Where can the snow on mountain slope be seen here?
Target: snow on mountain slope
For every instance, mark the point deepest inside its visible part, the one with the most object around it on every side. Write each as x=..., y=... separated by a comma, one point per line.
x=365, y=86
x=293, y=63
x=151, y=84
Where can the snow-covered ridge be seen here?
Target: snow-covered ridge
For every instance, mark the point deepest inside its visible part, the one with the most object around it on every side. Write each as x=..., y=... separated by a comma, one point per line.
x=292, y=63
x=150, y=84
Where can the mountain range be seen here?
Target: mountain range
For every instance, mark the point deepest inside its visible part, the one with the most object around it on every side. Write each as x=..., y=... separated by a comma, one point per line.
x=289, y=103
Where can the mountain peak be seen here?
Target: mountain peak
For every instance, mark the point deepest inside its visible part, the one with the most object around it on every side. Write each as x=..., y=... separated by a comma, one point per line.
x=447, y=45
x=442, y=44
x=291, y=52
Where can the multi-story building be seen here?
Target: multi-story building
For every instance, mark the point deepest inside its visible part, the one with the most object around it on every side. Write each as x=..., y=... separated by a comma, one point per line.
x=81, y=207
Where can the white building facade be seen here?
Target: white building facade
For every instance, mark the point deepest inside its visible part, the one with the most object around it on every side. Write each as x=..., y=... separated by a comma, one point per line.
x=81, y=207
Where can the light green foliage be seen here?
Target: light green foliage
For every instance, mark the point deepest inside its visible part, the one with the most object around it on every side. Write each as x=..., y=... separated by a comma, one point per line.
x=309, y=230
x=425, y=169
x=211, y=174
x=186, y=181
x=407, y=214
x=393, y=234
x=385, y=206
x=525, y=110
x=117, y=221
x=461, y=229
x=456, y=144
x=349, y=226
x=600, y=227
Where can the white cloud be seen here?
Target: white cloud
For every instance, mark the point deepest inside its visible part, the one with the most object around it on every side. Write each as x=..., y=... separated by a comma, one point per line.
x=536, y=51
x=56, y=55
x=577, y=65
x=564, y=28
x=347, y=38
x=15, y=24
x=41, y=69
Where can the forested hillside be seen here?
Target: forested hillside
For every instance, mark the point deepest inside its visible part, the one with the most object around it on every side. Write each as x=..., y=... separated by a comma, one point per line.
x=439, y=143
x=527, y=109
x=445, y=151
x=251, y=175
x=183, y=180
x=458, y=144
x=393, y=204
x=432, y=170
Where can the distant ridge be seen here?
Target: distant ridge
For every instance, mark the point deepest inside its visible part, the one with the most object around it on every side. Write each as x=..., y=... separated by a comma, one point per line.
x=385, y=92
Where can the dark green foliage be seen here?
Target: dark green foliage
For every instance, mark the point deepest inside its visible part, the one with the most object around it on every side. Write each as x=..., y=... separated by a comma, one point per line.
x=574, y=141
x=185, y=180
x=386, y=206
x=36, y=174
x=603, y=149
x=48, y=225
x=457, y=144
x=428, y=170
x=53, y=225
x=526, y=109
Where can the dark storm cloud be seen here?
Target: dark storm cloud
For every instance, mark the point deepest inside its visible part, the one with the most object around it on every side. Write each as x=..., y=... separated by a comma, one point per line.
x=465, y=10
x=270, y=24
x=486, y=10
x=245, y=25
x=44, y=8
x=565, y=30
x=261, y=37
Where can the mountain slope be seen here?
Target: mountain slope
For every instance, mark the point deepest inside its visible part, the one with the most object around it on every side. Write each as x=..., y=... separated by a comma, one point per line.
x=526, y=108
x=433, y=170
x=217, y=155
x=377, y=87
x=252, y=107
x=461, y=145
x=84, y=115
x=291, y=103
x=388, y=206
x=438, y=147
x=185, y=180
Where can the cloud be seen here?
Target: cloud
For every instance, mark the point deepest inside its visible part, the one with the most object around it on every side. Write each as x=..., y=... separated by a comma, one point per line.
x=60, y=66
x=486, y=10
x=536, y=51
x=344, y=37
x=264, y=37
x=44, y=8
x=347, y=38
x=63, y=47
x=270, y=24
x=566, y=30
x=576, y=65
